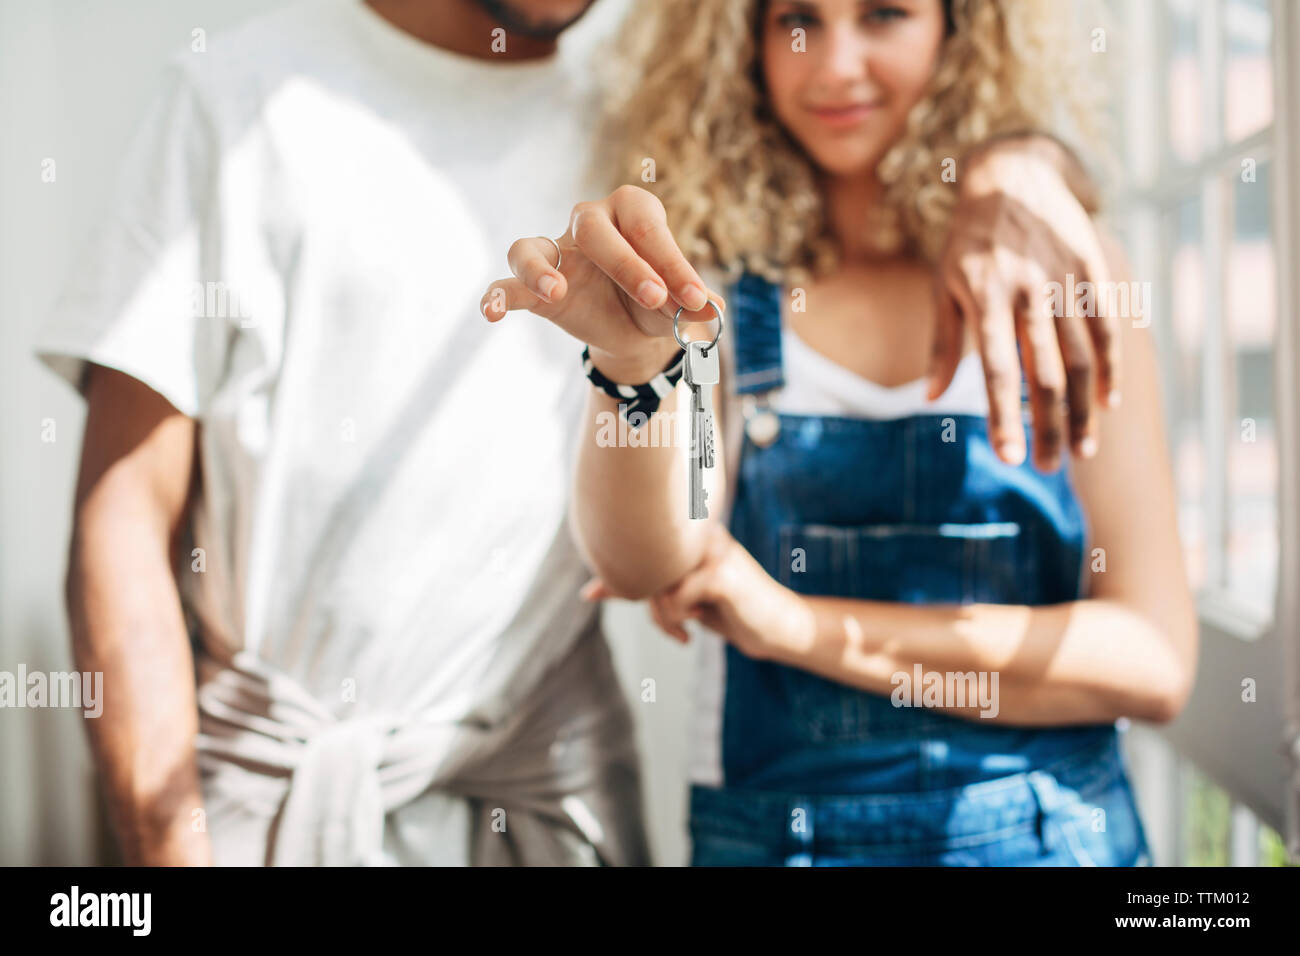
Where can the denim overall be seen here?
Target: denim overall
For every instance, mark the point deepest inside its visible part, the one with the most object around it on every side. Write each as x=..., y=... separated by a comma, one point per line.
x=917, y=510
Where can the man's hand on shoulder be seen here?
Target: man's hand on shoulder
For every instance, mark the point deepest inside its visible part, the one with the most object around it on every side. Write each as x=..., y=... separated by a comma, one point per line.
x=1021, y=238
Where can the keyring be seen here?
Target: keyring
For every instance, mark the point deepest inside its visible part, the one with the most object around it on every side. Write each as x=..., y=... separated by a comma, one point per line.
x=686, y=345
x=559, y=256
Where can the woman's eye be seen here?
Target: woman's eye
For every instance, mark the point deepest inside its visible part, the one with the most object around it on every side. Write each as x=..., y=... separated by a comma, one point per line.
x=794, y=21
x=885, y=14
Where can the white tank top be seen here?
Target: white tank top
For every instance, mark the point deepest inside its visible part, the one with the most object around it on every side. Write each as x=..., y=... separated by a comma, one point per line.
x=817, y=385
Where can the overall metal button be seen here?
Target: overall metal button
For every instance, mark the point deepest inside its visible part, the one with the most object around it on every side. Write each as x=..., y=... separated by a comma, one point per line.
x=762, y=425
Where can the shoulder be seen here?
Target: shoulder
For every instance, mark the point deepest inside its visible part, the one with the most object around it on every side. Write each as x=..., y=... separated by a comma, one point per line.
x=1128, y=298
x=233, y=72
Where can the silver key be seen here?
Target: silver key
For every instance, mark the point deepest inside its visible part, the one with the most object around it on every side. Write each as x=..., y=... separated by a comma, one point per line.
x=701, y=374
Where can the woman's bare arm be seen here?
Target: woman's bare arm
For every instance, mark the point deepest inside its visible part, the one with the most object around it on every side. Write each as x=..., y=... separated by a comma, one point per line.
x=619, y=284
x=629, y=506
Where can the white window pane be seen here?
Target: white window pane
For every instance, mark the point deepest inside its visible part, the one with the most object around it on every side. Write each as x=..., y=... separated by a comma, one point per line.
x=1185, y=94
x=1187, y=324
x=1252, y=543
x=1247, y=67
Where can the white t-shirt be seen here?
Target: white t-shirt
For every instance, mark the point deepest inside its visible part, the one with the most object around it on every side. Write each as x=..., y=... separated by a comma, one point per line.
x=304, y=228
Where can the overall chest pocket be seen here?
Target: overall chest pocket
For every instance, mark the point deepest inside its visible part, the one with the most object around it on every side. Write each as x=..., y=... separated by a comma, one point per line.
x=991, y=562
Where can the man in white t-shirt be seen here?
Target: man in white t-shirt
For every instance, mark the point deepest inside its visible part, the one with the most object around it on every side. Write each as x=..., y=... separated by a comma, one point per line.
x=277, y=331
x=305, y=448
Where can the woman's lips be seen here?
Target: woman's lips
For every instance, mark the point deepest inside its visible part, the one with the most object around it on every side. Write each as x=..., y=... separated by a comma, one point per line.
x=843, y=116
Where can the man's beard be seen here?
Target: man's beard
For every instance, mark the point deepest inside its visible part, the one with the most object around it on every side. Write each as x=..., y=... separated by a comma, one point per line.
x=506, y=13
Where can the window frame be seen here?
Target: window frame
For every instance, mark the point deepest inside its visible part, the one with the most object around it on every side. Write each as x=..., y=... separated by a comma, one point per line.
x=1251, y=750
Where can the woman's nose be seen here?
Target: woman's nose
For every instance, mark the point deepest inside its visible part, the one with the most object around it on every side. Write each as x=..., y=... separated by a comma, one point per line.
x=847, y=53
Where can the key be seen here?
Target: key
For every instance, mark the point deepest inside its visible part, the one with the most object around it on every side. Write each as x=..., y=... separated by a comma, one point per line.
x=701, y=374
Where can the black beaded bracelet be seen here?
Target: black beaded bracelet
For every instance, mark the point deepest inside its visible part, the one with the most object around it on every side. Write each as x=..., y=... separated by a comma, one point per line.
x=644, y=398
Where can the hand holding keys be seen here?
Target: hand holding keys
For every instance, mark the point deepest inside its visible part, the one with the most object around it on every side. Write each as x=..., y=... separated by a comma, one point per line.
x=702, y=372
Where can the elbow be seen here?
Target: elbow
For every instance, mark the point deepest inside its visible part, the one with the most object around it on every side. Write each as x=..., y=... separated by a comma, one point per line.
x=1177, y=695
x=1165, y=706
x=640, y=570
x=637, y=574
x=1174, y=676
x=628, y=582
x=636, y=583
x=627, y=588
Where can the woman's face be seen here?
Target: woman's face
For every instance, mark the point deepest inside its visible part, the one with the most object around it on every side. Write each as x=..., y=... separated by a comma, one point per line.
x=843, y=90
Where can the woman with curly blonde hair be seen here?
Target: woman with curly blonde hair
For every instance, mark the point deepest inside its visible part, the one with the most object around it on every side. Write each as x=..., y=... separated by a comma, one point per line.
x=919, y=643
x=735, y=179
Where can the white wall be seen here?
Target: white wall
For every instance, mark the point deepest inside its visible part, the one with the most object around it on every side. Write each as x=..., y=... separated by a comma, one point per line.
x=74, y=79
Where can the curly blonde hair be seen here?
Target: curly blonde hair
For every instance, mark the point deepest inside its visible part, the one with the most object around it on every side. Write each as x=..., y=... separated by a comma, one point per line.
x=741, y=194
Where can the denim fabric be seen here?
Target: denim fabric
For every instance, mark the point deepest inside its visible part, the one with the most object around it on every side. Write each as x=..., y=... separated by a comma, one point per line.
x=917, y=510
x=1079, y=811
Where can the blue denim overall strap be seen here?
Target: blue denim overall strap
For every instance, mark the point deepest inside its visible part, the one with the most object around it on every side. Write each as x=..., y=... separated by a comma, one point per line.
x=917, y=510
x=758, y=353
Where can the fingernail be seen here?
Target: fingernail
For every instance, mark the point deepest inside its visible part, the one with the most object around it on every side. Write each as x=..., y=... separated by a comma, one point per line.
x=650, y=294
x=1012, y=452
x=1088, y=447
x=694, y=297
x=1112, y=400
x=546, y=285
